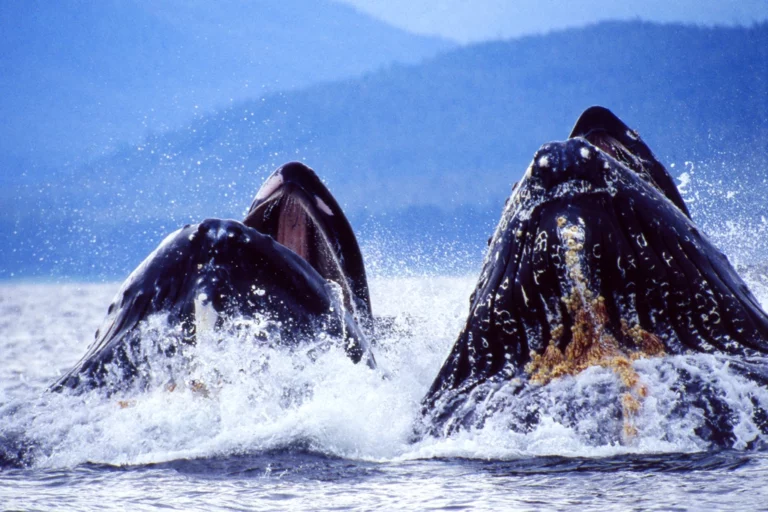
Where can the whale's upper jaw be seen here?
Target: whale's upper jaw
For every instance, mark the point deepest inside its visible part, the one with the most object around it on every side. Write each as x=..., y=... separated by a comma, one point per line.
x=573, y=171
x=577, y=166
x=572, y=161
x=297, y=210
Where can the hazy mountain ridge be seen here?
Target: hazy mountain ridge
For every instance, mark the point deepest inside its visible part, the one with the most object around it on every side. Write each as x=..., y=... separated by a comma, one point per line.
x=483, y=110
x=79, y=76
x=433, y=147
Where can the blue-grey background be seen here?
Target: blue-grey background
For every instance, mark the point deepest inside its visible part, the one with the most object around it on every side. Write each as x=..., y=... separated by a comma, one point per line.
x=125, y=119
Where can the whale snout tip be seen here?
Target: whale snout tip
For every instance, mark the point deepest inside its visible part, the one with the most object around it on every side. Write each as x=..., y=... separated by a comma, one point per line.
x=557, y=162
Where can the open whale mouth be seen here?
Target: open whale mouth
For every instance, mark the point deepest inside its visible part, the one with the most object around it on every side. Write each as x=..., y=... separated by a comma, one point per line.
x=298, y=211
x=288, y=216
x=595, y=262
x=607, y=132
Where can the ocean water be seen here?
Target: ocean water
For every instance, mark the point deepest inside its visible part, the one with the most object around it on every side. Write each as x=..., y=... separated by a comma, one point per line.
x=284, y=430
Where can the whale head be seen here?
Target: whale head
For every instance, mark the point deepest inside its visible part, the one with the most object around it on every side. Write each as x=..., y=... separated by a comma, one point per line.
x=296, y=209
x=595, y=261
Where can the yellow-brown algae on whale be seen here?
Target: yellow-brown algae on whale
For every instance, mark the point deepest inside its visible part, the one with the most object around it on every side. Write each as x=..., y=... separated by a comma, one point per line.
x=591, y=342
x=591, y=345
x=596, y=261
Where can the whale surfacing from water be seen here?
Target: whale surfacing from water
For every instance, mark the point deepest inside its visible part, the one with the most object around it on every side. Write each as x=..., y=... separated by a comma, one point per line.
x=294, y=260
x=595, y=262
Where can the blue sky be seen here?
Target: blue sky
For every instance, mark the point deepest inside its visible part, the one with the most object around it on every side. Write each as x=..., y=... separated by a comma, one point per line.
x=477, y=20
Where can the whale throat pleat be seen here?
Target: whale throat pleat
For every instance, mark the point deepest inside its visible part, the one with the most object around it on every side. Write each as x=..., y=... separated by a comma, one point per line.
x=293, y=229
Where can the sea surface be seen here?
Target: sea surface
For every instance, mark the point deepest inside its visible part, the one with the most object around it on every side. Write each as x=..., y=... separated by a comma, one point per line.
x=298, y=433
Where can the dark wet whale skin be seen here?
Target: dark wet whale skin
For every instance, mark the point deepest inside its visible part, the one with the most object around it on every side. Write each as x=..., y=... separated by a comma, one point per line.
x=582, y=225
x=225, y=269
x=606, y=131
x=229, y=266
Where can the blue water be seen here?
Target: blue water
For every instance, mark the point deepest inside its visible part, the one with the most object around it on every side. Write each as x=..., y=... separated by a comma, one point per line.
x=296, y=479
x=344, y=440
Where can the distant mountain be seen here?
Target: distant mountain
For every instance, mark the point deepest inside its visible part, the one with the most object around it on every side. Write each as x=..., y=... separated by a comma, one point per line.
x=428, y=151
x=481, y=20
x=81, y=76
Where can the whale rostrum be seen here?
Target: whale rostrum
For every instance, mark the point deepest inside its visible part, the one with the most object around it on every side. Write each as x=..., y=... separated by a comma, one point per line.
x=595, y=261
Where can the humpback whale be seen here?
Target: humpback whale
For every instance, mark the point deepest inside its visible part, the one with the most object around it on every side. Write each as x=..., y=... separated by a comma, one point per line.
x=294, y=260
x=595, y=262
x=298, y=211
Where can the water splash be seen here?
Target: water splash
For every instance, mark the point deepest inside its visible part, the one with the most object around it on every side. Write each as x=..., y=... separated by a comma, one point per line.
x=259, y=398
x=239, y=398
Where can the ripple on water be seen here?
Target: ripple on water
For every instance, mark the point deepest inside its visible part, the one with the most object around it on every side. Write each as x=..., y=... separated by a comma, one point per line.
x=344, y=445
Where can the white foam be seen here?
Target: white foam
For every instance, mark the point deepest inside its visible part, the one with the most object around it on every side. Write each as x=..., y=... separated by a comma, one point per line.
x=253, y=396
